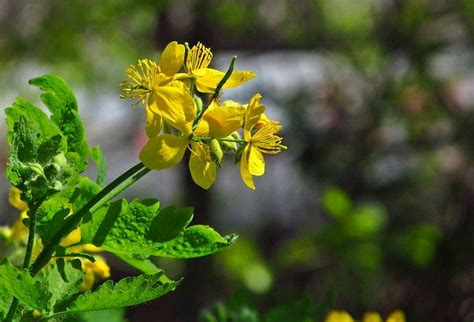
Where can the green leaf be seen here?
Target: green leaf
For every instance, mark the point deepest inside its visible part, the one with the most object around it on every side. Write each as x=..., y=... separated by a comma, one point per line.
x=133, y=229
x=63, y=279
x=126, y=292
x=35, y=116
x=21, y=285
x=62, y=103
x=170, y=221
x=145, y=265
x=51, y=213
x=5, y=301
x=98, y=156
x=113, y=315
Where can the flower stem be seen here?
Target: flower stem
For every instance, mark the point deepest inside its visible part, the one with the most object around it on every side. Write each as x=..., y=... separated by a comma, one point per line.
x=29, y=251
x=105, y=195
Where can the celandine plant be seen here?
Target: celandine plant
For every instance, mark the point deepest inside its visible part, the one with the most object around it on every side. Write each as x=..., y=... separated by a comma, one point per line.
x=51, y=253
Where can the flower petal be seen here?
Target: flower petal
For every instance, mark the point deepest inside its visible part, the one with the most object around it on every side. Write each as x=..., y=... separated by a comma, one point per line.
x=256, y=162
x=244, y=169
x=372, y=317
x=154, y=123
x=220, y=121
x=174, y=102
x=14, y=198
x=163, y=151
x=171, y=59
x=203, y=169
x=252, y=115
x=338, y=316
x=207, y=79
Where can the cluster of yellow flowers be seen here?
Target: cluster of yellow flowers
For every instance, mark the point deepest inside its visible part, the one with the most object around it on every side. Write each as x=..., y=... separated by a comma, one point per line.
x=93, y=271
x=342, y=316
x=173, y=89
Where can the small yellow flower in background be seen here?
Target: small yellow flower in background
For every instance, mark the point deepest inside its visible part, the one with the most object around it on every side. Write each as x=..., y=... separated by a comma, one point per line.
x=75, y=237
x=396, y=316
x=372, y=317
x=263, y=141
x=207, y=79
x=93, y=272
x=18, y=229
x=342, y=316
x=338, y=316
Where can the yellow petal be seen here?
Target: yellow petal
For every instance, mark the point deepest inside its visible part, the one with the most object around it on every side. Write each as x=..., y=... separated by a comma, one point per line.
x=372, y=317
x=338, y=316
x=174, y=102
x=73, y=237
x=172, y=58
x=244, y=169
x=256, y=162
x=203, y=169
x=262, y=121
x=219, y=121
x=14, y=198
x=154, y=123
x=18, y=229
x=163, y=151
x=252, y=115
x=207, y=79
x=396, y=316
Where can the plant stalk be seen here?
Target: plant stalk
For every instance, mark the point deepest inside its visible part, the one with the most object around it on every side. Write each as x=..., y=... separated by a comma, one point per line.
x=105, y=195
x=29, y=251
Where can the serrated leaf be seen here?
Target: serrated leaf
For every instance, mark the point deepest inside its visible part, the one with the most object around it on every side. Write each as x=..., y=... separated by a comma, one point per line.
x=126, y=292
x=21, y=285
x=5, y=301
x=145, y=265
x=35, y=116
x=98, y=156
x=62, y=103
x=63, y=279
x=132, y=229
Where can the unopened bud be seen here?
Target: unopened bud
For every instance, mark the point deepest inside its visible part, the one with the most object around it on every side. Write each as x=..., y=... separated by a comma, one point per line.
x=60, y=160
x=198, y=102
x=216, y=152
x=37, y=168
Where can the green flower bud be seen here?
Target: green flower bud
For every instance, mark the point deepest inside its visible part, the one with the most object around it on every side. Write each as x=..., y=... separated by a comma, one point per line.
x=229, y=146
x=37, y=168
x=198, y=102
x=216, y=152
x=60, y=160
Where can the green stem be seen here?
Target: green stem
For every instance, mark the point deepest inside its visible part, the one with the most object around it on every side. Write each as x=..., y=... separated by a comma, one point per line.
x=208, y=138
x=29, y=251
x=224, y=79
x=105, y=195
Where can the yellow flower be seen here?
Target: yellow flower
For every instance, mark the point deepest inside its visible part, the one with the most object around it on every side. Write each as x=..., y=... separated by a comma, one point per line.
x=207, y=79
x=338, y=316
x=342, y=316
x=154, y=84
x=167, y=150
x=372, y=317
x=396, y=316
x=94, y=271
x=18, y=229
x=264, y=140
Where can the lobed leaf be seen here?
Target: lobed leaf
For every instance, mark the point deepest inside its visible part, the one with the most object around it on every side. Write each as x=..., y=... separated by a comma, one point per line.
x=22, y=286
x=126, y=292
x=140, y=228
x=62, y=103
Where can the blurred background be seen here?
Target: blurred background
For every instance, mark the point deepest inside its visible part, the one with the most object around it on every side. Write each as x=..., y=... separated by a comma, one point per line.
x=371, y=207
